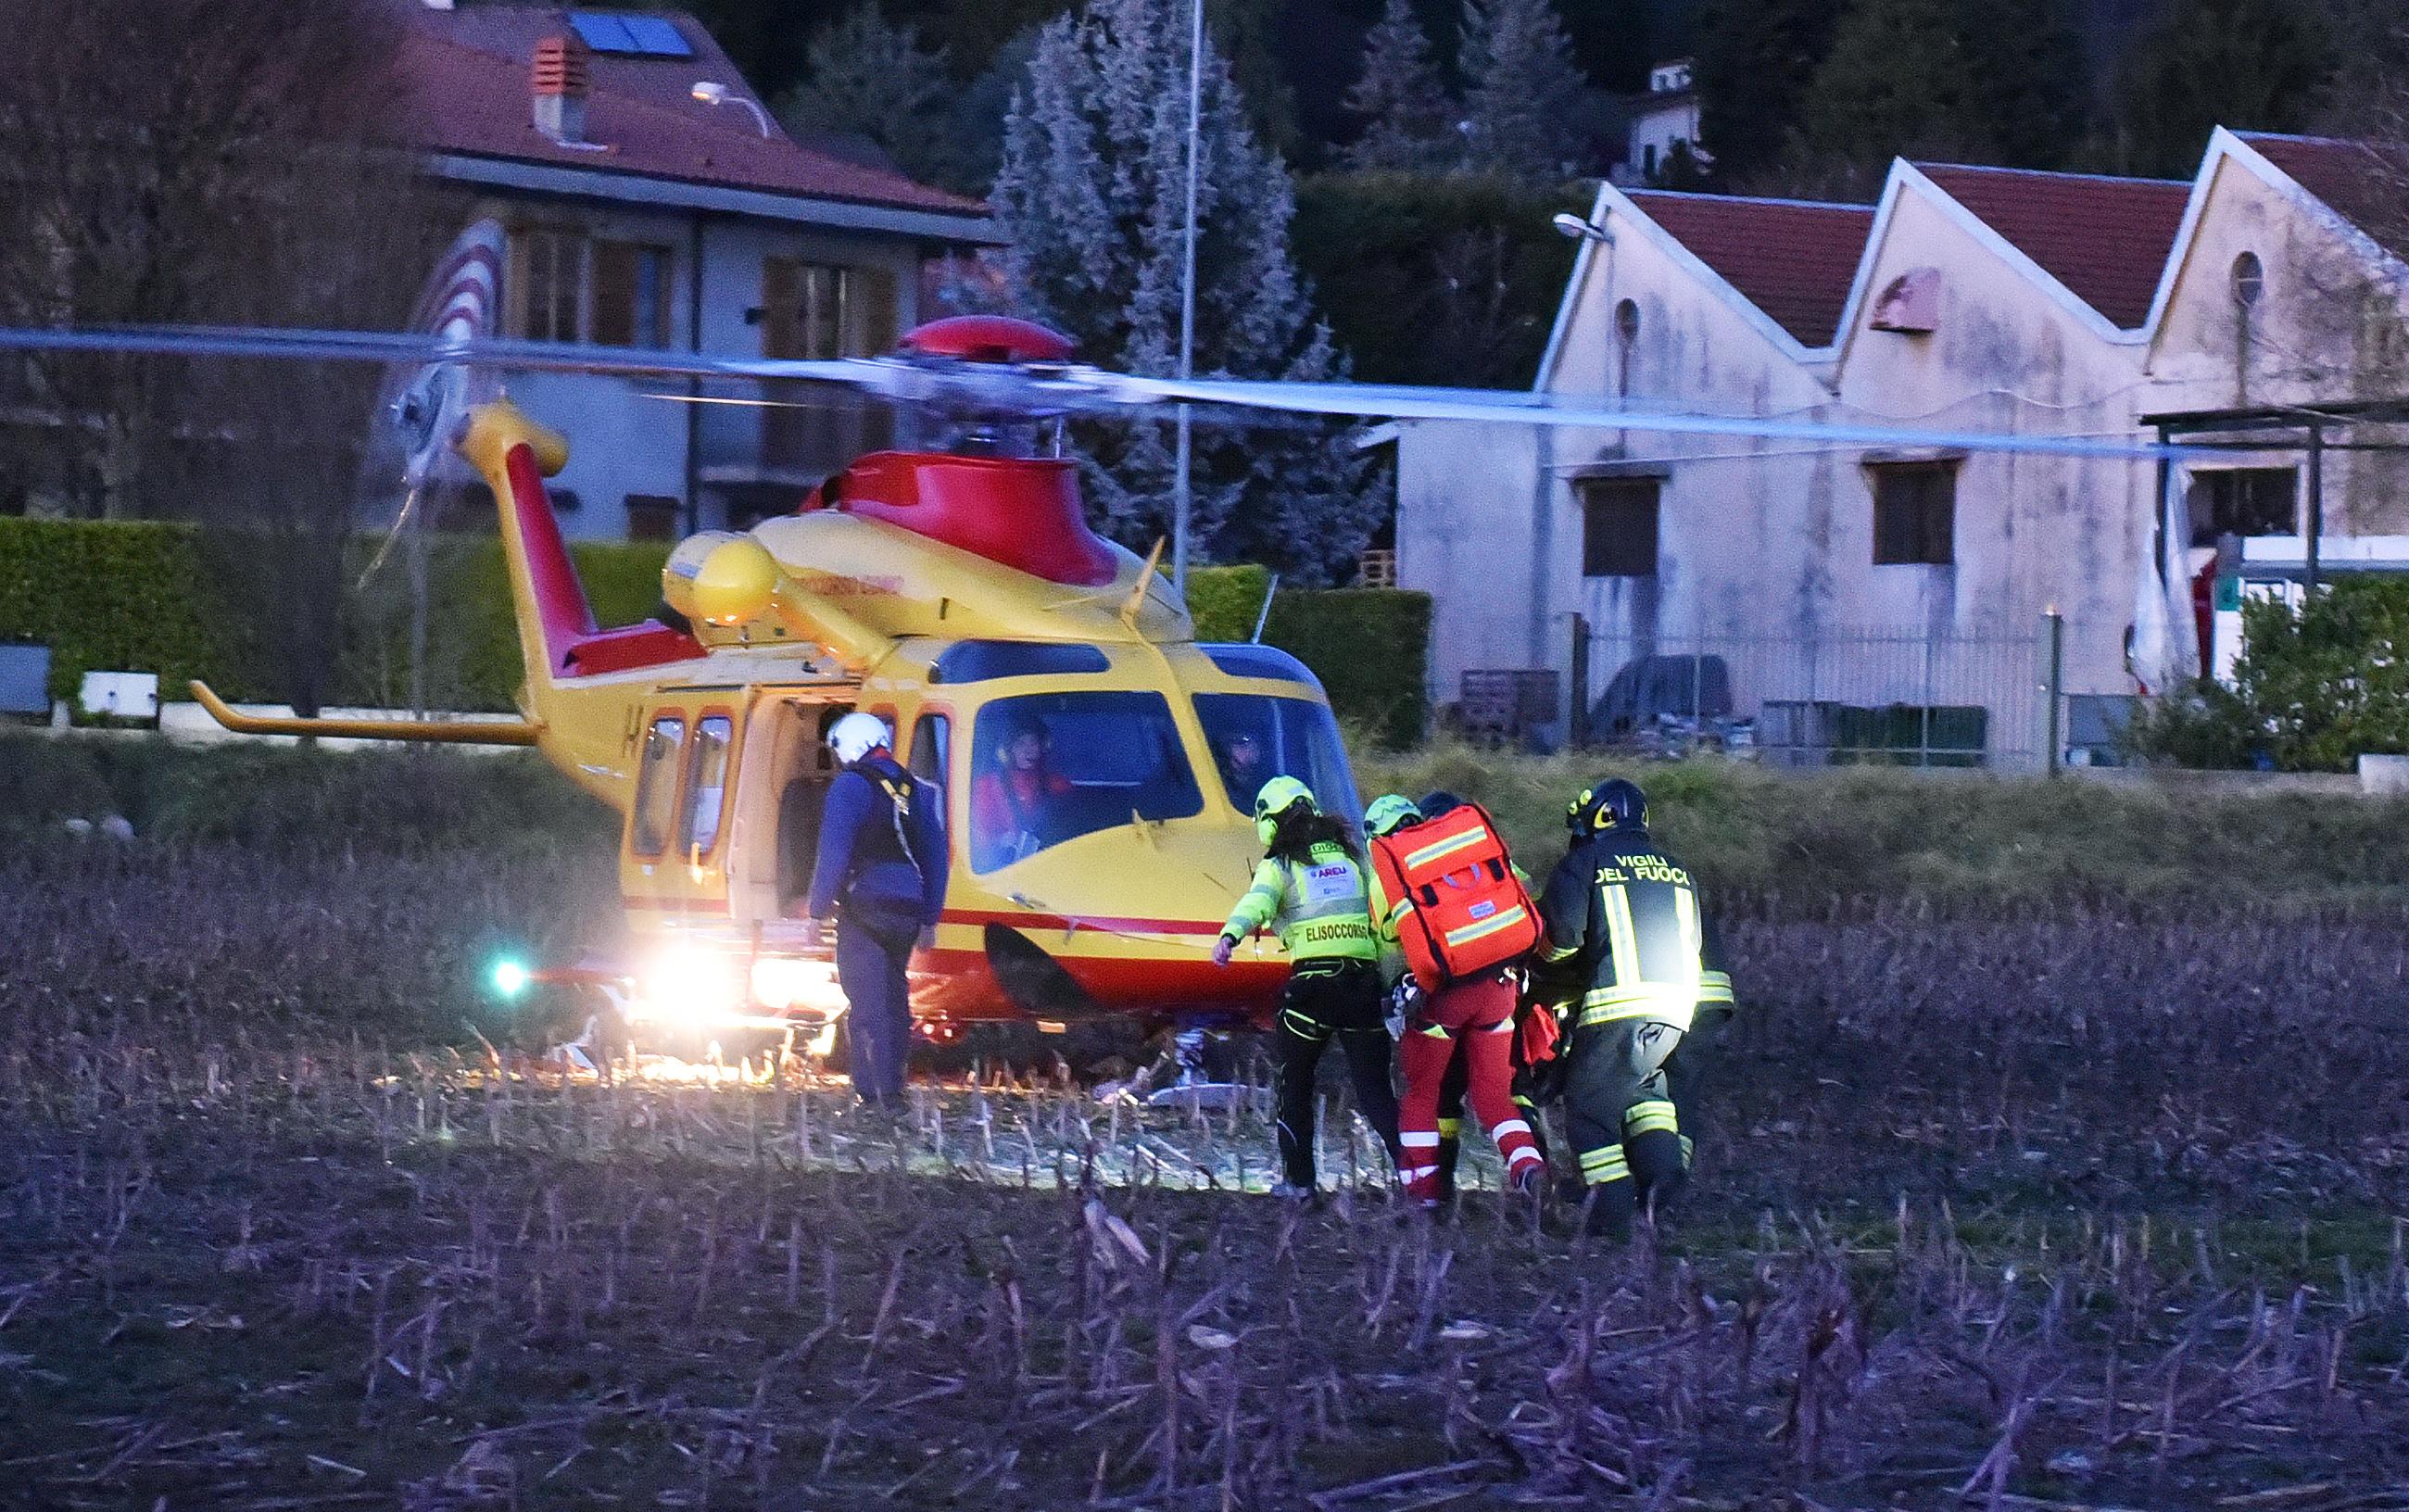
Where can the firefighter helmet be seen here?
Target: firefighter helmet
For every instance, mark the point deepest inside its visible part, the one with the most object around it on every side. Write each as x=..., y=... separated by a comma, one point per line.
x=1614, y=804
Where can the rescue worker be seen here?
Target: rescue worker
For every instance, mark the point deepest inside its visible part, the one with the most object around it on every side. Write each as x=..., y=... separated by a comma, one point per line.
x=1527, y=1079
x=1626, y=919
x=1464, y=1032
x=881, y=872
x=1311, y=889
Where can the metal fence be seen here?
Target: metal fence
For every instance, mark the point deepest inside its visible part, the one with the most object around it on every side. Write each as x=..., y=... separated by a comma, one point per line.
x=1832, y=697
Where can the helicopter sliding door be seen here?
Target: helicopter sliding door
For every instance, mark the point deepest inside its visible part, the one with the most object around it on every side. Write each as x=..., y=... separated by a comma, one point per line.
x=673, y=856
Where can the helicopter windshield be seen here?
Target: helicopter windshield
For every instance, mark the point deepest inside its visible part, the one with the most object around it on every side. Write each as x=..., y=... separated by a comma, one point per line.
x=1051, y=766
x=1256, y=737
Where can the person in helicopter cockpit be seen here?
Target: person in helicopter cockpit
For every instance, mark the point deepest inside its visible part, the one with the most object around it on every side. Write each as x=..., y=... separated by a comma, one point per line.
x=1013, y=806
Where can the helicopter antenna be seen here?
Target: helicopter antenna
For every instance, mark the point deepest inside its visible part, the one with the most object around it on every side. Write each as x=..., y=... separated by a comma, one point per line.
x=1145, y=584
x=1264, y=616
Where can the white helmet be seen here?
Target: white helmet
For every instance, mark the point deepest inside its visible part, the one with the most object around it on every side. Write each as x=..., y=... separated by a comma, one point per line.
x=857, y=735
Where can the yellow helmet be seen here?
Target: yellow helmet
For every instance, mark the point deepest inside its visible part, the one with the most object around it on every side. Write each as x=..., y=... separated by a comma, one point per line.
x=1277, y=798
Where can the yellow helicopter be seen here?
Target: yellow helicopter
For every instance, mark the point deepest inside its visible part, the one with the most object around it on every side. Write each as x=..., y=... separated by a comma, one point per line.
x=1097, y=763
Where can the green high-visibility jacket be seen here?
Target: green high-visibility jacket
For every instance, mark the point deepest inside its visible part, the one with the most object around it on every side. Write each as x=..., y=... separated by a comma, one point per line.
x=1319, y=906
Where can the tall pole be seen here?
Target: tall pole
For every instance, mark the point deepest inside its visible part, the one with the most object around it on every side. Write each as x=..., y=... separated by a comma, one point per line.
x=1179, y=485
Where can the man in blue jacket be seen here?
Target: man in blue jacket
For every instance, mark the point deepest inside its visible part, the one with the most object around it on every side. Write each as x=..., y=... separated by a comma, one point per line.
x=883, y=860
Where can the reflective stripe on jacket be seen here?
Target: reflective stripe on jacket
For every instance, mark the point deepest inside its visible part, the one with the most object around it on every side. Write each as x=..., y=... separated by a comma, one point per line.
x=1319, y=906
x=1628, y=916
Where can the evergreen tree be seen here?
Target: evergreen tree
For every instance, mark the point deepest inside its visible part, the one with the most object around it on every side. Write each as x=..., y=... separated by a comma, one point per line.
x=1896, y=83
x=1091, y=194
x=2250, y=64
x=1525, y=101
x=2031, y=79
x=1755, y=59
x=1410, y=121
x=872, y=78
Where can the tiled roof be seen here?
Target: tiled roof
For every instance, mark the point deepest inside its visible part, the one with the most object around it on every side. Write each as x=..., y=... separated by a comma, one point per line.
x=463, y=88
x=1793, y=259
x=2107, y=239
x=2362, y=182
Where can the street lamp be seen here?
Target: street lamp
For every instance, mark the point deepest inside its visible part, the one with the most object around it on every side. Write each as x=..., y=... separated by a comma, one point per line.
x=1181, y=492
x=1579, y=230
x=711, y=92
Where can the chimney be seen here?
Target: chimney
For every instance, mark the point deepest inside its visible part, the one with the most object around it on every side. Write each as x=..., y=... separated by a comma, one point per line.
x=559, y=82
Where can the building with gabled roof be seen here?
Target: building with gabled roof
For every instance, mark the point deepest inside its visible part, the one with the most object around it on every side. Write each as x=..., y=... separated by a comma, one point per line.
x=648, y=199
x=1815, y=587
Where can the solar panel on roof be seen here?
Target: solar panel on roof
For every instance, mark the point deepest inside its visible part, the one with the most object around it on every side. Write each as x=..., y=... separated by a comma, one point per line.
x=603, y=34
x=656, y=37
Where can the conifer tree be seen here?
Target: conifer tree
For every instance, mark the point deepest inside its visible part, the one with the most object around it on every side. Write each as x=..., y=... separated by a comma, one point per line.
x=1524, y=97
x=1409, y=118
x=872, y=78
x=2250, y=64
x=2032, y=80
x=1091, y=194
x=1755, y=60
x=1896, y=83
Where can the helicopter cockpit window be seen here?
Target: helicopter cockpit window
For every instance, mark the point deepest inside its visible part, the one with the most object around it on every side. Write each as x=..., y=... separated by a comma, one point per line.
x=976, y=661
x=706, y=785
x=656, y=784
x=1250, y=660
x=1052, y=767
x=1256, y=738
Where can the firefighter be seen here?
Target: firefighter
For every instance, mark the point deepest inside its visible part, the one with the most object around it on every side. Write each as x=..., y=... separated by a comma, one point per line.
x=1457, y=1037
x=881, y=871
x=1310, y=888
x=1625, y=920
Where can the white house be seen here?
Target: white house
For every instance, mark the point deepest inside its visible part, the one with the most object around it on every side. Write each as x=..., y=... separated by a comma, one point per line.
x=1840, y=595
x=1664, y=119
x=638, y=213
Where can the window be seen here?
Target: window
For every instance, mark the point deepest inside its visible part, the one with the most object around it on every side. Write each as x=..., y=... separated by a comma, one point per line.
x=1618, y=527
x=2249, y=279
x=931, y=744
x=548, y=275
x=1256, y=738
x=812, y=311
x=1626, y=337
x=631, y=302
x=2242, y=501
x=656, y=784
x=651, y=517
x=975, y=661
x=564, y=500
x=1051, y=766
x=706, y=786
x=1915, y=513
x=1248, y=659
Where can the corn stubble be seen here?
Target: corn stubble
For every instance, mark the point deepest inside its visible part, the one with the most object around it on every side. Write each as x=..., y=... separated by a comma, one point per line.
x=2082, y=1210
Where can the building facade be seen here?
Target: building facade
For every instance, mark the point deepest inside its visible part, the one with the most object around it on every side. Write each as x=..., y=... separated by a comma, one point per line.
x=1807, y=588
x=648, y=201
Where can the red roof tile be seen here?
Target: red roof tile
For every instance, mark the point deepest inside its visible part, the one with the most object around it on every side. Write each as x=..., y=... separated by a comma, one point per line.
x=2107, y=239
x=463, y=77
x=1793, y=259
x=2361, y=181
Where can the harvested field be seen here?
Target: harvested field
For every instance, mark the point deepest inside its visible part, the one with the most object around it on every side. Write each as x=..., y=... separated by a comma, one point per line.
x=2065, y=1206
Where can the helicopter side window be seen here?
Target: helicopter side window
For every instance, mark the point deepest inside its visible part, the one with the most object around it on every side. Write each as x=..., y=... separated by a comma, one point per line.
x=657, y=783
x=1256, y=738
x=975, y=661
x=931, y=744
x=1052, y=767
x=706, y=785
x=1247, y=659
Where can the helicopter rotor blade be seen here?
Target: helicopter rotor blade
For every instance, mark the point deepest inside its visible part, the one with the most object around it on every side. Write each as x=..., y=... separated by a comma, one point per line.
x=1380, y=402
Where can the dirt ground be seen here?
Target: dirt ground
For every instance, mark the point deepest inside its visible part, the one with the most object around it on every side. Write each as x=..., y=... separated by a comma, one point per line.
x=2083, y=1209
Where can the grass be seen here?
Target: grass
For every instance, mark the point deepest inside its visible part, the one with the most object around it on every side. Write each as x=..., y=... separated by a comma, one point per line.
x=2094, y=1200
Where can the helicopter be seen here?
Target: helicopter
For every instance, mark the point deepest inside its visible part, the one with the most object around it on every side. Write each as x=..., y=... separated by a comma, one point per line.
x=1097, y=764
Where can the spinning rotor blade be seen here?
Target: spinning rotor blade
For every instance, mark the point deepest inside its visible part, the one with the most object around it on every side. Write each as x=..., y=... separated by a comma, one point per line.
x=1045, y=390
x=1376, y=402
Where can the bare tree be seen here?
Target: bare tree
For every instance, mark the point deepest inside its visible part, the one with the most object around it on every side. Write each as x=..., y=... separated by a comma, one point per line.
x=206, y=161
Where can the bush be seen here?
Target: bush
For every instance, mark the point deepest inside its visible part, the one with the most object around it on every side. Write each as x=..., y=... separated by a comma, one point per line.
x=113, y=595
x=1369, y=646
x=2315, y=688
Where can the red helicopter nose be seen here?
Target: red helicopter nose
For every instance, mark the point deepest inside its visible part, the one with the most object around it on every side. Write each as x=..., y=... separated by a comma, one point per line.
x=998, y=338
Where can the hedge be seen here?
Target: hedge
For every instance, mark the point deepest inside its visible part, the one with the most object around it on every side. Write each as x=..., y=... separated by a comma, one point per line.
x=1369, y=646
x=137, y=597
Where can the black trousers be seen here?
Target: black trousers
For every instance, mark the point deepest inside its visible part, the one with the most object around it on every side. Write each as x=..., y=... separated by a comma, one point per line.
x=1621, y=1116
x=1326, y=1000
x=1690, y=1073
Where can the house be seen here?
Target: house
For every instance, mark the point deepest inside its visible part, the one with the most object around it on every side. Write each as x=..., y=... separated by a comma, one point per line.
x=1662, y=124
x=1833, y=595
x=648, y=200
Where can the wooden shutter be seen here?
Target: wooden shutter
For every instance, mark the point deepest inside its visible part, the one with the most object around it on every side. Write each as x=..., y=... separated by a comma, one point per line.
x=615, y=293
x=781, y=308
